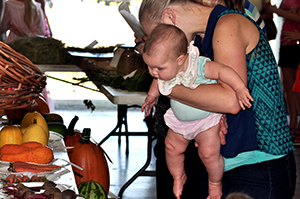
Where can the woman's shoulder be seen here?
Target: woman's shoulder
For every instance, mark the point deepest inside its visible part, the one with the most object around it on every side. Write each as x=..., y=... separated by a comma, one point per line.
x=234, y=19
x=231, y=25
x=237, y=32
x=237, y=23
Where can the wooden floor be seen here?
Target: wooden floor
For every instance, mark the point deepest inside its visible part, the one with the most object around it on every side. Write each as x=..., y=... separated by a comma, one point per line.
x=123, y=167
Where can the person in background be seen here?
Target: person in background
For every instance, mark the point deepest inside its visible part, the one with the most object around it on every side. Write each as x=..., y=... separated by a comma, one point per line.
x=22, y=18
x=291, y=36
x=48, y=32
x=252, y=11
x=2, y=35
x=263, y=7
x=258, y=142
x=174, y=63
x=289, y=59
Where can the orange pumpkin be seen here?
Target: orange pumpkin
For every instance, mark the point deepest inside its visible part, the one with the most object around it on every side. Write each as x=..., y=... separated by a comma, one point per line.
x=10, y=134
x=90, y=157
x=41, y=107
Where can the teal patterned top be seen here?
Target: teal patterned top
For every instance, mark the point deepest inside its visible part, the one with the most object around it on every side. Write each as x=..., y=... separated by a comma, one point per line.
x=260, y=133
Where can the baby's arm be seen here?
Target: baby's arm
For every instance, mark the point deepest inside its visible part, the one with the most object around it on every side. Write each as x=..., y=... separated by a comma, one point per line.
x=150, y=100
x=218, y=71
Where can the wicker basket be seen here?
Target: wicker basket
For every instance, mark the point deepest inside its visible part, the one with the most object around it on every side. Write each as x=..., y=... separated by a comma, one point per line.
x=20, y=80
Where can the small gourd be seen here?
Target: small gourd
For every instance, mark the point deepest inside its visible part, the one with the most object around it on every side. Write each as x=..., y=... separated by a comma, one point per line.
x=90, y=157
x=35, y=133
x=10, y=134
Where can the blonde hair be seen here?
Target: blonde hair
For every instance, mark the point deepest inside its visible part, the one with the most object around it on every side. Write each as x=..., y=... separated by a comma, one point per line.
x=168, y=36
x=30, y=15
x=152, y=10
x=233, y=4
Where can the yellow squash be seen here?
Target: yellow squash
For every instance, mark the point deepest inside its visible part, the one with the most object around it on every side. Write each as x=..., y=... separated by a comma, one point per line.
x=10, y=134
x=28, y=120
x=35, y=133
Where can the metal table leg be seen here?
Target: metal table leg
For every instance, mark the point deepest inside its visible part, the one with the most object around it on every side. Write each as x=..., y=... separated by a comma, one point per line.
x=122, y=120
x=142, y=171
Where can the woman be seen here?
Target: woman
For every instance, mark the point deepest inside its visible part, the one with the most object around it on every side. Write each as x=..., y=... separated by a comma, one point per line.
x=22, y=18
x=253, y=149
x=289, y=59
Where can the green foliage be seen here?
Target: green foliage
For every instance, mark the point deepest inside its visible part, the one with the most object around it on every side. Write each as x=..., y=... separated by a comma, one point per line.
x=139, y=82
x=43, y=50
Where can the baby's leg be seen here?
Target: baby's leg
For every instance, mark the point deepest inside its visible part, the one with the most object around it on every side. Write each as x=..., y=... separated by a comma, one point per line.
x=209, y=152
x=175, y=148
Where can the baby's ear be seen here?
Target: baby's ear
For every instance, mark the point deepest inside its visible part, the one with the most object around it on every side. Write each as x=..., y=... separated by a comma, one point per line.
x=181, y=59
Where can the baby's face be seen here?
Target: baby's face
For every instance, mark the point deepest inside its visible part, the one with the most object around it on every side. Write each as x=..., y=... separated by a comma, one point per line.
x=161, y=66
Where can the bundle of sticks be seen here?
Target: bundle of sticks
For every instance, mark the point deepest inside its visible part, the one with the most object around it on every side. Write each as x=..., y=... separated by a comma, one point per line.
x=21, y=81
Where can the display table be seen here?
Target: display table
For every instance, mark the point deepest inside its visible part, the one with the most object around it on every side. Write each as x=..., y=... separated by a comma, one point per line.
x=64, y=178
x=58, y=68
x=124, y=100
x=58, y=146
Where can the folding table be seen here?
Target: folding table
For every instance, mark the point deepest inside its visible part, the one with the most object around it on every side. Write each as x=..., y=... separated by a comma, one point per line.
x=125, y=99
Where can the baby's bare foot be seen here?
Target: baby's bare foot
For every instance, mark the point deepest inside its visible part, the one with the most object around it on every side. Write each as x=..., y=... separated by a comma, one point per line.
x=215, y=190
x=178, y=186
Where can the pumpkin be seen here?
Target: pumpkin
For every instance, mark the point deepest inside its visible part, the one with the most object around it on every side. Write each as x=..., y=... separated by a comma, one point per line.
x=92, y=189
x=10, y=134
x=72, y=136
x=42, y=107
x=90, y=157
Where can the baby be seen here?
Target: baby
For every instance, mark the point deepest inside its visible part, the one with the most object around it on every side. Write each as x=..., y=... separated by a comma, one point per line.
x=172, y=62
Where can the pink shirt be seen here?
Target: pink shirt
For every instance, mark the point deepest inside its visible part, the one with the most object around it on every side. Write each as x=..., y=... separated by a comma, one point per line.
x=14, y=12
x=287, y=24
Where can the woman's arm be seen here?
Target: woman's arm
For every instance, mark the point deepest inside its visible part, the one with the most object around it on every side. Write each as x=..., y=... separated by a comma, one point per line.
x=290, y=36
x=234, y=36
x=218, y=71
x=287, y=14
x=39, y=22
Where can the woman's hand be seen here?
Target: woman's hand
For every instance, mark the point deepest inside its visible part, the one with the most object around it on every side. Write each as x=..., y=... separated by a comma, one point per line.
x=223, y=130
x=290, y=36
x=140, y=41
x=273, y=8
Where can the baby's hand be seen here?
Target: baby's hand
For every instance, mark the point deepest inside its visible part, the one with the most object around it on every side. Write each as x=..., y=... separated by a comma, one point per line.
x=148, y=104
x=244, y=97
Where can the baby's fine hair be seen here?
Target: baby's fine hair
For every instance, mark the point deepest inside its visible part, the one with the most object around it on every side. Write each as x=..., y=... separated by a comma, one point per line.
x=169, y=37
